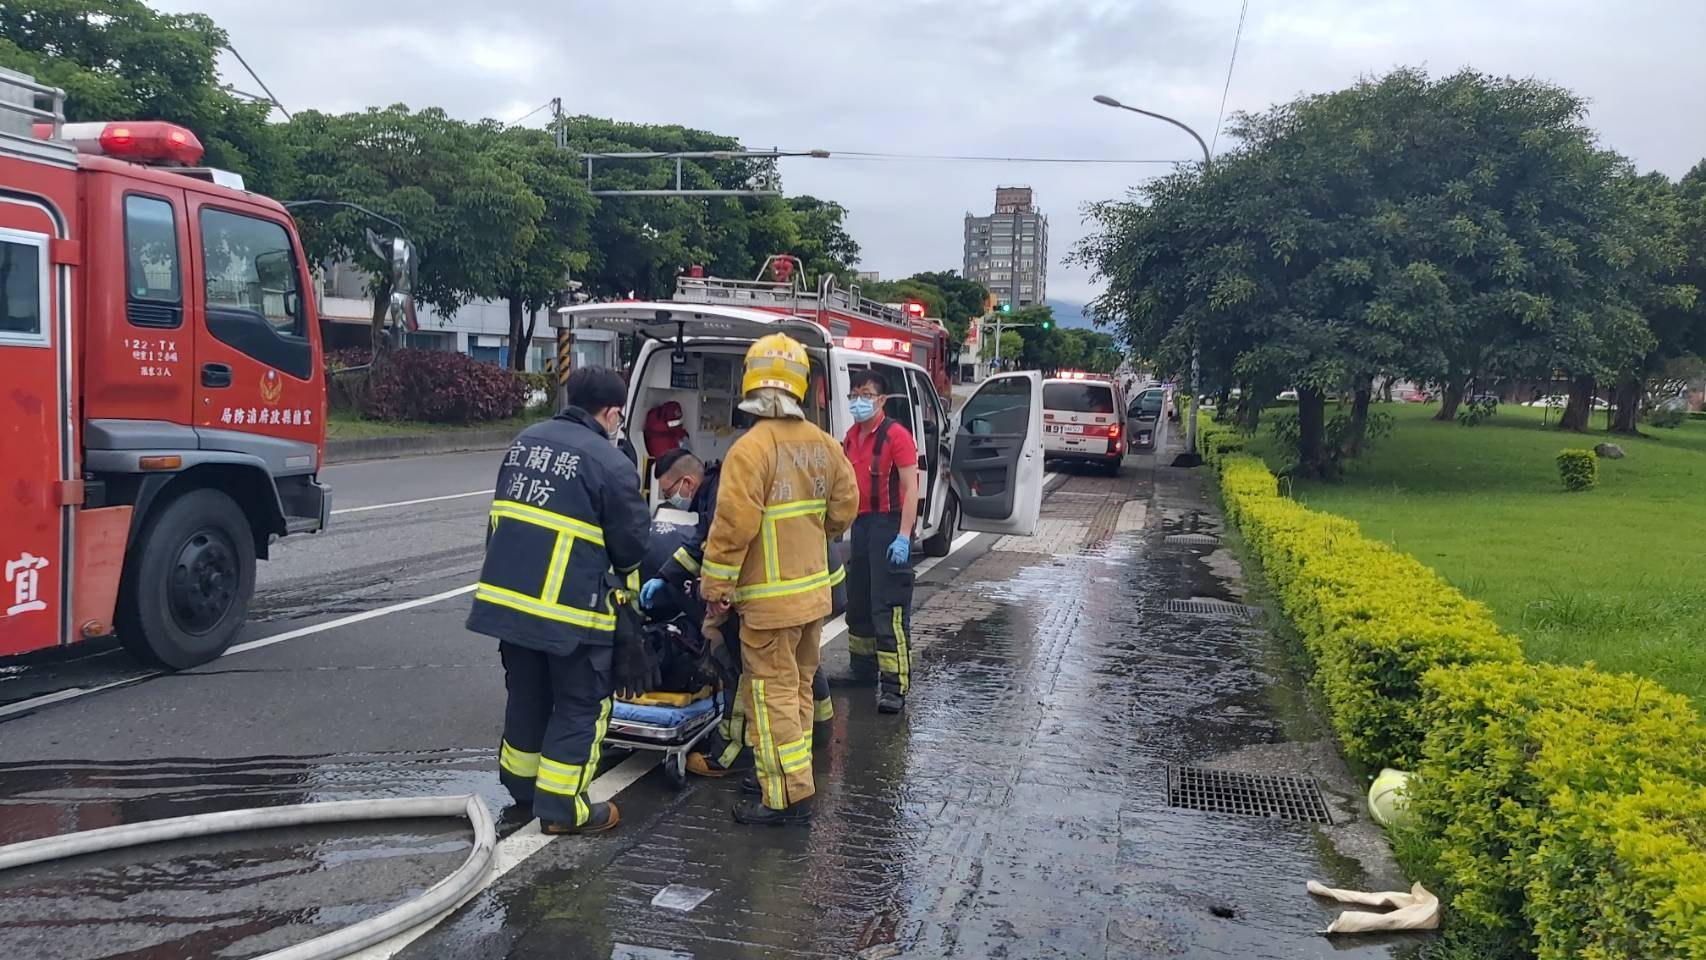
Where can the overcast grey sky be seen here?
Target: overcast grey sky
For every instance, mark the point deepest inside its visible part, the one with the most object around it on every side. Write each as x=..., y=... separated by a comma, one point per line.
x=930, y=76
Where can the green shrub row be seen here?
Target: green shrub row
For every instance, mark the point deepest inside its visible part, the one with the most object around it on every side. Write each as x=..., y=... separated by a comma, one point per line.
x=1559, y=810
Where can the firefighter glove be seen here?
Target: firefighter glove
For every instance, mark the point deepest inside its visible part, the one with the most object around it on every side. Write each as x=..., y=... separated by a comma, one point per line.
x=900, y=551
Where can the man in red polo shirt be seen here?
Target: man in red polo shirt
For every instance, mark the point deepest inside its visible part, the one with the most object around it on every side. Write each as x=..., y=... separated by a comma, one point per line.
x=879, y=571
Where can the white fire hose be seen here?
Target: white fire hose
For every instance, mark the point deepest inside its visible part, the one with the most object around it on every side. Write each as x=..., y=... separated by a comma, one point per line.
x=437, y=899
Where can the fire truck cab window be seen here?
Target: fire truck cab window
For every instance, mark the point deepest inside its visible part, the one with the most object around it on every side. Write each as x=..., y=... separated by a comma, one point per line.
x=150, y=249
x=22, y=285
x=250, y=268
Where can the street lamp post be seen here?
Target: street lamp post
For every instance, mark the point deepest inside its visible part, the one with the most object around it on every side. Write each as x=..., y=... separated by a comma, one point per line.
x=1192, y=457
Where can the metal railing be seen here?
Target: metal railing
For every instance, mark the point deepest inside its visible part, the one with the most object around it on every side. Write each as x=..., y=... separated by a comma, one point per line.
x=22, y=106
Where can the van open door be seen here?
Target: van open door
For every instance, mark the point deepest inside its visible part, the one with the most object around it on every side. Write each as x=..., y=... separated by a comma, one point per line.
x=997, y=462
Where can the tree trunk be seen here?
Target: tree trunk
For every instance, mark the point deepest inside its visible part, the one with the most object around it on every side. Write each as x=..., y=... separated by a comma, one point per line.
x=1386, y=389
x=1311, y=434
x=1358, y=436
x=380, y=340
x=1627, y=399
x=517, y=345
x=1580, y=408
x=1451, y=398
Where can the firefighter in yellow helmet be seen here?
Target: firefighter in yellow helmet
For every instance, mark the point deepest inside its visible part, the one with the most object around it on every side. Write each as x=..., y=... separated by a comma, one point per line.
x=786, y=487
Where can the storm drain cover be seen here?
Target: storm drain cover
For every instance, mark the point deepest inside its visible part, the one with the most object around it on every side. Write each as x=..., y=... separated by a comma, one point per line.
x=1215, y=608
x=1247, y=794
x=1192, y=539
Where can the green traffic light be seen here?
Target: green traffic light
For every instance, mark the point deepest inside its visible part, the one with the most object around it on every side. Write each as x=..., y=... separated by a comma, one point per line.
x=1007, y=308
x=1047, y=324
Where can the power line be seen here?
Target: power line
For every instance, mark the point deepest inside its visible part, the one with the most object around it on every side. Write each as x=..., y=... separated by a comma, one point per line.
x=256, y=77
x=530, y=113
x=877, y=155
x=1229, y=65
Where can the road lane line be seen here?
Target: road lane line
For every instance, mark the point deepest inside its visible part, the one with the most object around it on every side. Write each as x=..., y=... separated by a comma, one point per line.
x=346, y=621
x=409, y=503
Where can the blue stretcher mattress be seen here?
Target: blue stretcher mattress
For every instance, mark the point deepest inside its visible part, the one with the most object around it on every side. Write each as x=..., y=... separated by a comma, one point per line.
x=662, y=716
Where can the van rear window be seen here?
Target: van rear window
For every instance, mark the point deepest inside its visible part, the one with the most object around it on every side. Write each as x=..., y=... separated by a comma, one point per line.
x=1078, y=397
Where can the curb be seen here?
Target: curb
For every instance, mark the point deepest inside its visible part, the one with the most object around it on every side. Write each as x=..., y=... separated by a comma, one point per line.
x=385, y=448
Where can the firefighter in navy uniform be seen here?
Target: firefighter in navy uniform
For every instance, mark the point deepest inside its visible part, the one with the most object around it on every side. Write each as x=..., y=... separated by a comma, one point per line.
x=567, y=525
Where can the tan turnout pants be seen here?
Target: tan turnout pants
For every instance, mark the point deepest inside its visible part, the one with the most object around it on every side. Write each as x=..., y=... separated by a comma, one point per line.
x=776, y=689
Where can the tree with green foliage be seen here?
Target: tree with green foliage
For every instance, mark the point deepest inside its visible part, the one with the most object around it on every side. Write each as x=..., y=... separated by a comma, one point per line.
x=1438, y=229
x=537, y=273
x=462, y=202
x=122, y=60
x=1663, y=285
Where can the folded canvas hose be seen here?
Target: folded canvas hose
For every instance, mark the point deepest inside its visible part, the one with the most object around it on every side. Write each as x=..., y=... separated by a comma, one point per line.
x=433, y=901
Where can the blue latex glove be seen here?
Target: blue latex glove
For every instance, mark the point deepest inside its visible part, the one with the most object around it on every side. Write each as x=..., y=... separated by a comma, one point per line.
x=900, y=551
x=648, y=591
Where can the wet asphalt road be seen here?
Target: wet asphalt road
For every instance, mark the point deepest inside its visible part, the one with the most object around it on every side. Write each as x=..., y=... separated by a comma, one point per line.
x=1018, y=809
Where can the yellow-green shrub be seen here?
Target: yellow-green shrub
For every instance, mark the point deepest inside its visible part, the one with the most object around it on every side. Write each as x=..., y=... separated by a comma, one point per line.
x=1505, y=741
x=1560, y=809
x=1630, y=882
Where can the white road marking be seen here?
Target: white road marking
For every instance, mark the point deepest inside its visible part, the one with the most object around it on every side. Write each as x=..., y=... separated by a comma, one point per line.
x=309, y=631
x=409, y=503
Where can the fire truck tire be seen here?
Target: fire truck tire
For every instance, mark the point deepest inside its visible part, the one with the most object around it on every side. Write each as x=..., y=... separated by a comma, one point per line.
x=187, y=585
x=942, y=541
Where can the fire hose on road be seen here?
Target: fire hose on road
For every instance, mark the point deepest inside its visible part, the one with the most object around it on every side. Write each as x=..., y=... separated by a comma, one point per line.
x=437, y=899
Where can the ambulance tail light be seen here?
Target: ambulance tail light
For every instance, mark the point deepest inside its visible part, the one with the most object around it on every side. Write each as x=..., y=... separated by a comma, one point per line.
x=142, y=141
x=1114, y=432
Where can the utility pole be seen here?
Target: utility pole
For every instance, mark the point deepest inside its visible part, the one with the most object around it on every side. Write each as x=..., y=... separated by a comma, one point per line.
x=558, y=129
x=1192, y=456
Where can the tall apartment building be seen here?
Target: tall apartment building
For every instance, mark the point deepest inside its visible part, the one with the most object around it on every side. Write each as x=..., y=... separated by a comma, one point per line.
x=1007, y=251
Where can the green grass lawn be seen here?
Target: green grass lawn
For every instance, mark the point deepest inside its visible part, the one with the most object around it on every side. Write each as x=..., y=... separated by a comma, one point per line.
x=344, y=425
x=1614, y=575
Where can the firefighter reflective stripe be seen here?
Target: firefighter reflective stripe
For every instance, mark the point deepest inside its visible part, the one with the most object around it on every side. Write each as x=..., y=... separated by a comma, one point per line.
x=567, y=530
x=734, y=732
x=769, y=766
x=721, y=571
x=861, y=646
x=563, y=778
x=519, y=762
x=795, y=756
x=783, y=588
x=560, y=612
x=898, y=663
x=686, y=560
x=556, y=521
x=784, y=511
x=822, y=712
x=573, y=779
x=837, y=575
x=598, y=731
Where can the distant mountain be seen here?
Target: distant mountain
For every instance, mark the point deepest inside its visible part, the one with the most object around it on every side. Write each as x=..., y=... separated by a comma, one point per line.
x=1068, y=314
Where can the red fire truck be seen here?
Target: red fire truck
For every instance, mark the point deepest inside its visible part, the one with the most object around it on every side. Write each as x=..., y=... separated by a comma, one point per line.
x=162, y=415
x=853, y=320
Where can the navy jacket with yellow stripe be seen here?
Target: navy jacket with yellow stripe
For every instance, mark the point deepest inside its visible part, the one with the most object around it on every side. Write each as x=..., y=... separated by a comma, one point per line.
x=567, y=513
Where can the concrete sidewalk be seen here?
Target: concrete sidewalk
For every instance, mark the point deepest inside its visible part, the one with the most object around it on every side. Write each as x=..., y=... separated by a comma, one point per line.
x=1020, y=808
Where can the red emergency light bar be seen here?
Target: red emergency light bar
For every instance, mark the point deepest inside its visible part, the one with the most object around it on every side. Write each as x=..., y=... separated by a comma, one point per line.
x=915, y=309
x=141, y=141
x=1080, y=375
x=888, y=346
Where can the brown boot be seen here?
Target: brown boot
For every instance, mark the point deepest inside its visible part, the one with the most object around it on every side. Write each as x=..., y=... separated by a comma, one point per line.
x=600, y=817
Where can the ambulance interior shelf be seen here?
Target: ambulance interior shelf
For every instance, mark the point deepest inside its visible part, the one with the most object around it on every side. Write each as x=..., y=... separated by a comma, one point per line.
x=705, y=381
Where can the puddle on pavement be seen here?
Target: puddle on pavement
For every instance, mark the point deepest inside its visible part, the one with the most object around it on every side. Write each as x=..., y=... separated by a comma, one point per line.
x=232, y=896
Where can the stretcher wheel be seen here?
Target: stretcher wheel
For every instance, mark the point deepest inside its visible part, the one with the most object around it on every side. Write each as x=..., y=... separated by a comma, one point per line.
x=675, y=768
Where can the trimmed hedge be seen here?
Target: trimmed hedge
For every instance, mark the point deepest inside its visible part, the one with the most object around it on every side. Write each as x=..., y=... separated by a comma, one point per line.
x=1579, y=469
x=438, y=386
x=1559, y=809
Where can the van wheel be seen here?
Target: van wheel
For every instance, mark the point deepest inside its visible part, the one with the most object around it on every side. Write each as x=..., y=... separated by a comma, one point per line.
x=943, y=540
x=188, y=582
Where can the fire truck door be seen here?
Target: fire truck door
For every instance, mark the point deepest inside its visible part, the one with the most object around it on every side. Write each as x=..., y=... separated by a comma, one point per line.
x=35, y=430
x=256, y=370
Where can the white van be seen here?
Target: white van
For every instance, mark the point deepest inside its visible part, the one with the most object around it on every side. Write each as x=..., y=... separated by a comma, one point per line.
x=981, y=468
x=1084, y=419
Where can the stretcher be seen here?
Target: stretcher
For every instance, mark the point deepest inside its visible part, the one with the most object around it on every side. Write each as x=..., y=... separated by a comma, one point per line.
x=672, y=729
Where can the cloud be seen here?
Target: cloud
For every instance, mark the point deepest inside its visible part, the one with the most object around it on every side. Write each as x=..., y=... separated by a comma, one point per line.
x=951, y=76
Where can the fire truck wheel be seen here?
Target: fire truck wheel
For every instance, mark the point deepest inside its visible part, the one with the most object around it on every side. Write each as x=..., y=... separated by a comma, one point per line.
x=186, y=590
x=943, y=541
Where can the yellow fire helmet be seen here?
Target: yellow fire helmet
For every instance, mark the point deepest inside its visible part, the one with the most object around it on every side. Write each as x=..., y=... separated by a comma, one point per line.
x=776, y=360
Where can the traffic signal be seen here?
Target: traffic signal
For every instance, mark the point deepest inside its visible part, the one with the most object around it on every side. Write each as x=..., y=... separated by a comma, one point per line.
x=1007, y=308
x=1047, y=324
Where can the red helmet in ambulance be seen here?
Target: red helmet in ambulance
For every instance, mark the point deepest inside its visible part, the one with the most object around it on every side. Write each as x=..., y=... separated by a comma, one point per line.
x=664, y=428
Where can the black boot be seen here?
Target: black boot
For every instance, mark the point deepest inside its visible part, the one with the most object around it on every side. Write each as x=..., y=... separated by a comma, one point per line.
x=755, y=813
x=890, y=702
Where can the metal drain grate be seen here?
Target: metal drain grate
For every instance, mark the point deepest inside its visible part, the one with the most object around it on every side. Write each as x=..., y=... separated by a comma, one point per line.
x=1248, y=794
x=1192, y=539
x=1215, y=608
